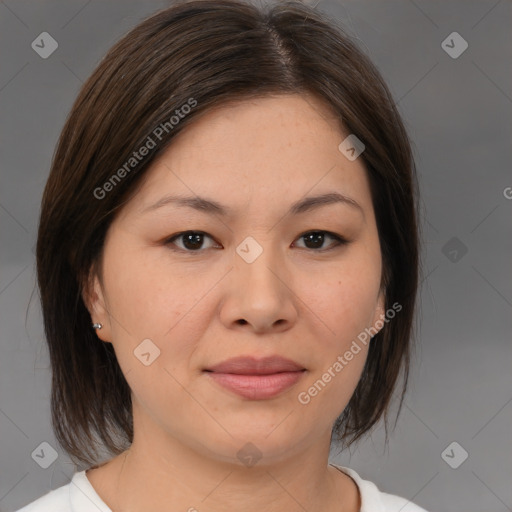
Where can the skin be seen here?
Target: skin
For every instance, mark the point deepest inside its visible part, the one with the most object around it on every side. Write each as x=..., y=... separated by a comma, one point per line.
x=257, y=157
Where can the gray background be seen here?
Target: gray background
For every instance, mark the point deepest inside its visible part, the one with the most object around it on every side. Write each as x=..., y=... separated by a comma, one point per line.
x=458, y=113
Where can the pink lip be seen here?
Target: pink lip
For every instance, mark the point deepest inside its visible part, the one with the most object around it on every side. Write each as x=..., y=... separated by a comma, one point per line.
x=248, y=365
x=256, y=379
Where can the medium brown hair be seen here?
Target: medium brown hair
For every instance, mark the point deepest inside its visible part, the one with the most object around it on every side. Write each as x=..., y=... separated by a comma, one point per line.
x=213, y=53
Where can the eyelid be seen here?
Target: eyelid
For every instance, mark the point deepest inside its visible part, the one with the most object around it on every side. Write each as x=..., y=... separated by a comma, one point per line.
x=169, y=240
x=339, y=239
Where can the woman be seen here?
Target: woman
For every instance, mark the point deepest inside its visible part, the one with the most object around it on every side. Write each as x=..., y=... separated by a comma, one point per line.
x=228, y=264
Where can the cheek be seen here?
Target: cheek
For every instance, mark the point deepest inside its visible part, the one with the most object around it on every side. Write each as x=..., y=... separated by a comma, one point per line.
x=329, y=389
x=150, y=295
x=344, y=302
x=154, y=300
x=149, y=303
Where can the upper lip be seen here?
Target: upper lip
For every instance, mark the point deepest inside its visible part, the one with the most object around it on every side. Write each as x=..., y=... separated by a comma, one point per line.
x=248, y=365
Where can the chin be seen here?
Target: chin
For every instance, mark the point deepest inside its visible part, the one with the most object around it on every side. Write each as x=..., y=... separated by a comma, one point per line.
x=259, y=442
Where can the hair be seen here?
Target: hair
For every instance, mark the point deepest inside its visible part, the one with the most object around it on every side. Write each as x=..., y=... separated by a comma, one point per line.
x=207, y=54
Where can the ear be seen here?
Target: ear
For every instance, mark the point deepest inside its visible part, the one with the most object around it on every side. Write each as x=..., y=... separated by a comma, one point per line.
x=93, y=296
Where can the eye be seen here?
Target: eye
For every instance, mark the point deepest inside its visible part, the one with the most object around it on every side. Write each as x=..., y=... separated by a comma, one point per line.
x=192, y=241
x=317, y=238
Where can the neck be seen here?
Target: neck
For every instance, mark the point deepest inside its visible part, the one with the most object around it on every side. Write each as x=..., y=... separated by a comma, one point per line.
x=145, y=477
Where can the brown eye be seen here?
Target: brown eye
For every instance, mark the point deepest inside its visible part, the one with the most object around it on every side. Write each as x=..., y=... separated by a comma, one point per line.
x=192, y=241
x=314, y=240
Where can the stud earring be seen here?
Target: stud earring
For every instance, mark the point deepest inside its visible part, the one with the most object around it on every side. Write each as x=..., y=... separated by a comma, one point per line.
x=97, y=326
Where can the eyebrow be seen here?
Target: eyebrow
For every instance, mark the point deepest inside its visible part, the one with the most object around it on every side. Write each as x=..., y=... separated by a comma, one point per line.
x=214, y=208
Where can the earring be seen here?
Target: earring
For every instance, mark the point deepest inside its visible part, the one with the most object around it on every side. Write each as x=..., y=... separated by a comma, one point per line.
x=97, y=326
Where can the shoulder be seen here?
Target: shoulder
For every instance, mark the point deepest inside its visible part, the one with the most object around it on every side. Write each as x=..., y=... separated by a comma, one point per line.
x=53, y=501
x=394, y=503
x=77, y=496
x=374, y=500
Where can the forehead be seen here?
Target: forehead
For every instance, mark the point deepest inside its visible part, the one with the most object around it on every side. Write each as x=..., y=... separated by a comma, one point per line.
x=272, y=149
x=262, y=128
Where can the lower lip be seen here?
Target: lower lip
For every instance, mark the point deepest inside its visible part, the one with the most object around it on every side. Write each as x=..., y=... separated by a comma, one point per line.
x=257, y=387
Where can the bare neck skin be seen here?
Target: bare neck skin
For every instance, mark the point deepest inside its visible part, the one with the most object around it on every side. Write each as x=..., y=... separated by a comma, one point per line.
x=147, y=477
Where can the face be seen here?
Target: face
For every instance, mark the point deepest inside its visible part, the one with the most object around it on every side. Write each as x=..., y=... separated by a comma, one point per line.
x=184, y=289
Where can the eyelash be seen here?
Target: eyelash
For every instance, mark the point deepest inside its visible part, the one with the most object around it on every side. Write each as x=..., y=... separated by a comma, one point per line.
x=340, y=241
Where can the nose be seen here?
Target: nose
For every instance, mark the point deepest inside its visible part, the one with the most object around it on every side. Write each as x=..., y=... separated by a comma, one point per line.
x=259, y=295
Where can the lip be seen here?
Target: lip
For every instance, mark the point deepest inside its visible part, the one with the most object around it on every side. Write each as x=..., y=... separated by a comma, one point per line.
x=248, y=365
x=256, y=379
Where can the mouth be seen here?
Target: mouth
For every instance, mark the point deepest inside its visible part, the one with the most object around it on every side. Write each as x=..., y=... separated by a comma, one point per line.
x=256, y=379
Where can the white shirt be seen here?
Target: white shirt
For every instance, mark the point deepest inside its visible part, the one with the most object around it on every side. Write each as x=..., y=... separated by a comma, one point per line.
x=80, y=496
